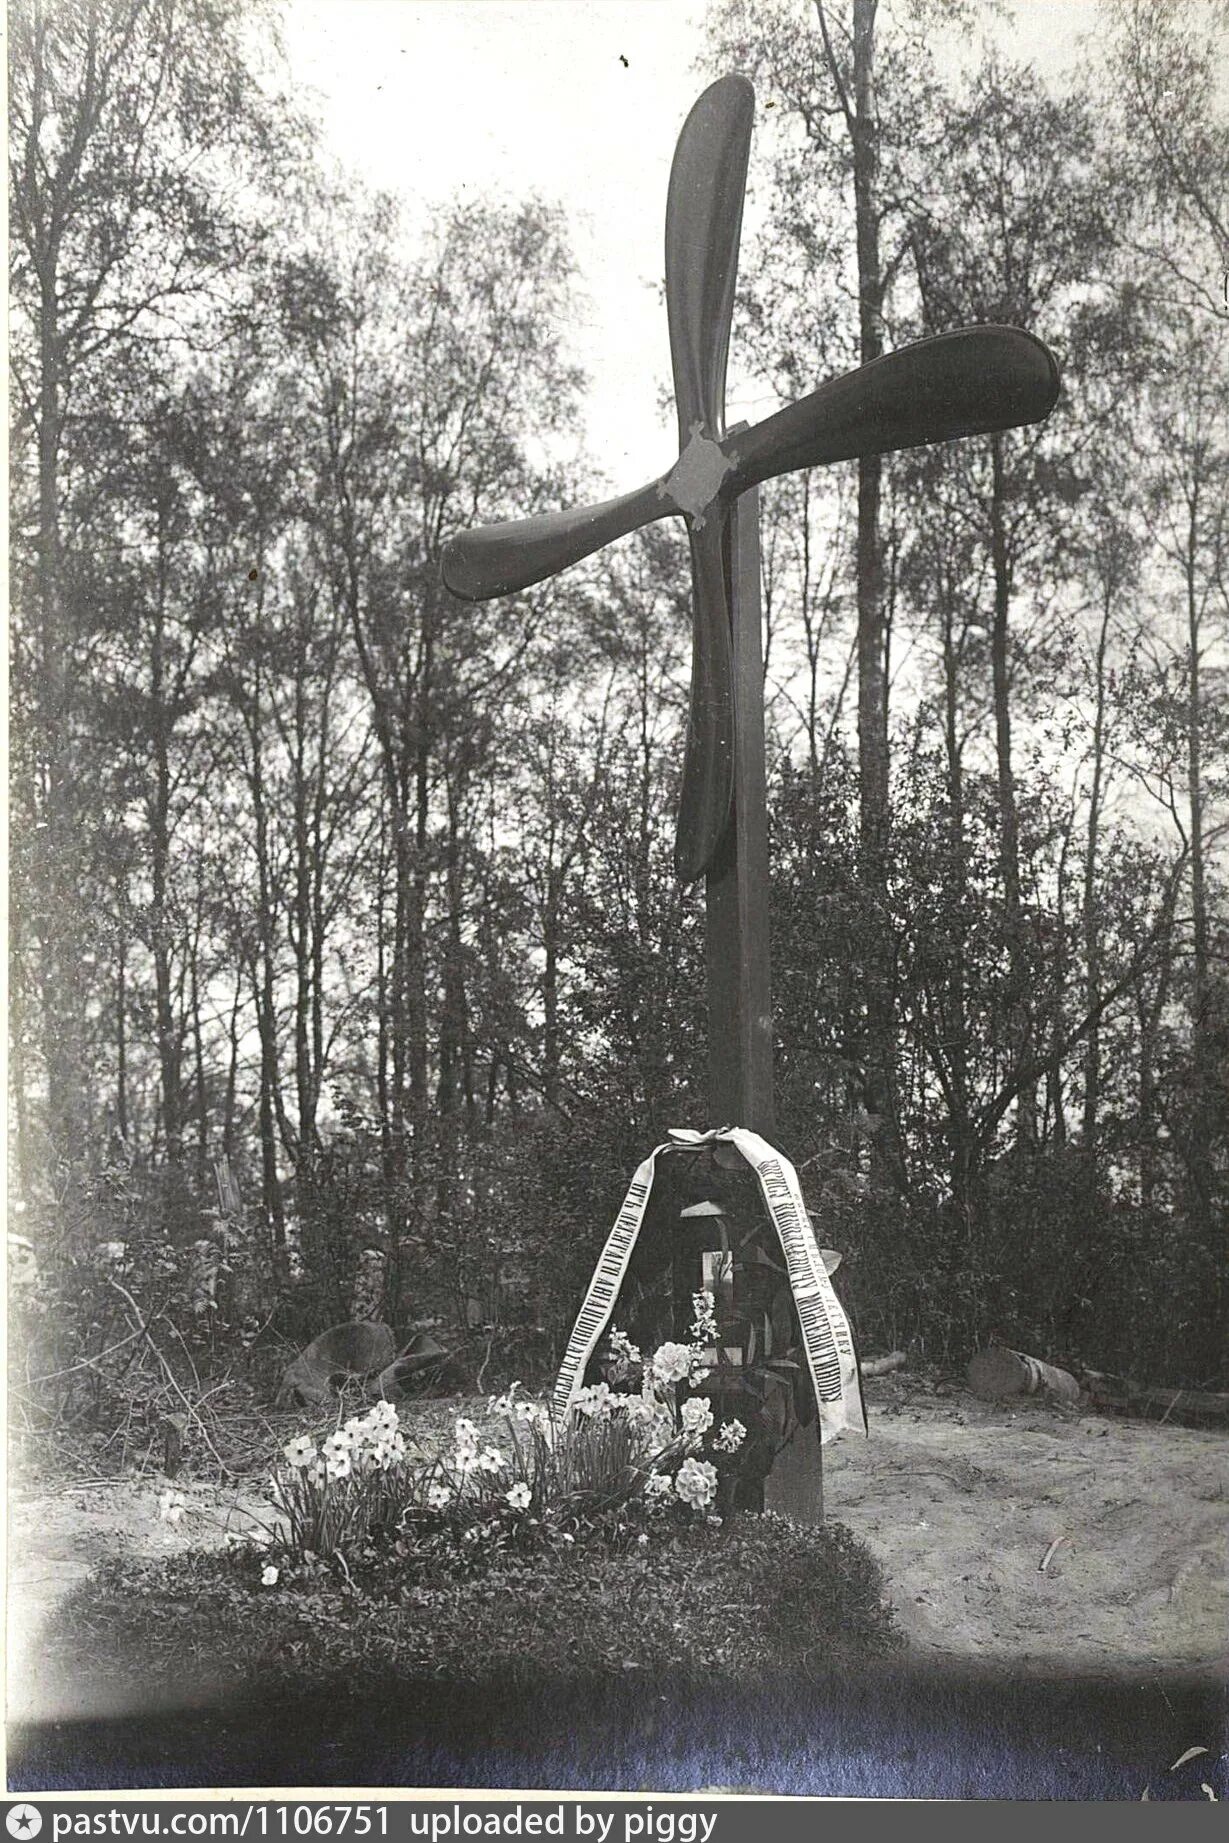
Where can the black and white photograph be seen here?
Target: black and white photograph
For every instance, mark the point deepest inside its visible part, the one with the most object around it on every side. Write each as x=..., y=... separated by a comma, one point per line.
x=618, y=827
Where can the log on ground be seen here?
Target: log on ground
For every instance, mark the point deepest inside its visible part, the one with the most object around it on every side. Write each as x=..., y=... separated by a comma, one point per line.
x=883, y=1366
x=997, y=1373
x=1185, y=1407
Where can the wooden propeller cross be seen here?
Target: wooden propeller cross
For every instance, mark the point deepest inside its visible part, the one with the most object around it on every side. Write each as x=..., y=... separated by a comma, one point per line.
x=972, y=382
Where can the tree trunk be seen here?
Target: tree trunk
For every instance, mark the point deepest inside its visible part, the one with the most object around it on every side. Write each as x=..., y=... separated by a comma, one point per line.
x=1203, y=1062
x=879, y=1057
x=58, y=881
x=1009, y=822
x=198, y=1045
x=1090, y=917
x=955, y=1017
x=872, y=674
x=170, y=1042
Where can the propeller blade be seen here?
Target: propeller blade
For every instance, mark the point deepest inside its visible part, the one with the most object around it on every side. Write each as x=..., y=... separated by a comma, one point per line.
x=707, y=793
x=498, y=559
x=972, y=382
x=704, y=210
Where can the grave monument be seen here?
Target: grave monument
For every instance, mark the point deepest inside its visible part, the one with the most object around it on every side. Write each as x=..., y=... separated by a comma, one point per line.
x=974, y=381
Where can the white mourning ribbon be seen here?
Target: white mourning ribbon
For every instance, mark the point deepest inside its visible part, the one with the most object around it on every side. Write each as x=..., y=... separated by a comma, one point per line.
x=826, y=1336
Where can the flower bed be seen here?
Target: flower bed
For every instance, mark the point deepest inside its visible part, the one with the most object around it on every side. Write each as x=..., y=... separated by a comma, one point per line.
x=625, y=1462
x=529, y=1550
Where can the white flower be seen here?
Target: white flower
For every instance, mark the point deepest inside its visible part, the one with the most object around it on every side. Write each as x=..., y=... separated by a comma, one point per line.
x=337, y=1446
x=696, y=1483
x=642, y=1540
x=467, y=1433
x=731, y=1437
x=657, y=1484
x=597, y=1400
x=492, y=1460
x=661, y=1432
x=671, y=1362
x=341, y=1437
x=697, y=1415
x=171, y=1507
x=301, y=1451
x=699, y=1364
x=356, y=1428
x=465, y=1460
x=268, y=1576
x=519, y=1497
x=438, y=1496
x=641, y=1412
x=622, y=1347
x=338, y=1465
x=704, y=1326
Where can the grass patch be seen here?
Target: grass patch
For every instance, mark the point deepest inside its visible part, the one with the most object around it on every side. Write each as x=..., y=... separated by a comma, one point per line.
x=758, y=1593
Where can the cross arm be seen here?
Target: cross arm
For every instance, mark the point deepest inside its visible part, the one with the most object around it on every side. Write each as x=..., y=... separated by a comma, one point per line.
x=490, y=560
x=973, y=382
x=977, y=381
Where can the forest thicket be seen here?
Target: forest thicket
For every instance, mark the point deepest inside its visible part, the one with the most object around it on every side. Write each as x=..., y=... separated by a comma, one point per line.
x=360, y=897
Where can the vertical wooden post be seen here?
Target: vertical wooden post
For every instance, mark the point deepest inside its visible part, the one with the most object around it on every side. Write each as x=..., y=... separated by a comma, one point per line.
x=737, y=951
x=739, y=979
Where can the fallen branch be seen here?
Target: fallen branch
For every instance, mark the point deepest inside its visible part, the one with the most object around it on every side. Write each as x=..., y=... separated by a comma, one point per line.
x=94, y=1363
x=1048, y=1557
x=169, y=1374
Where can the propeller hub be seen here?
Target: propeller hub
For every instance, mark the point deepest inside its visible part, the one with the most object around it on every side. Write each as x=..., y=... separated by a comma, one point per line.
x=694, y=483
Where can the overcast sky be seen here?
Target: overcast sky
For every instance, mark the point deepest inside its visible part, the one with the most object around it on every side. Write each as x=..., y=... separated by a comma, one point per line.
x=579, y=100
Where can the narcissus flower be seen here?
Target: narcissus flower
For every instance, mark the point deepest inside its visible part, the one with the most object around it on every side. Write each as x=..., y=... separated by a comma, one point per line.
x=731, y=1437
x=269, y=1576
x=622, y=1347
x=697, y=1415
x=300, y=1451
x=519, y=1497
x=696, y=1483
x=672, y=1362
x=438, y=1496
x=596, y=1401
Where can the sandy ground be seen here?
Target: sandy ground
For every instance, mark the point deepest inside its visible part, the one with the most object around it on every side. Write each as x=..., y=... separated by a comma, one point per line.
x=1026, y=1536
x=963, y=1503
